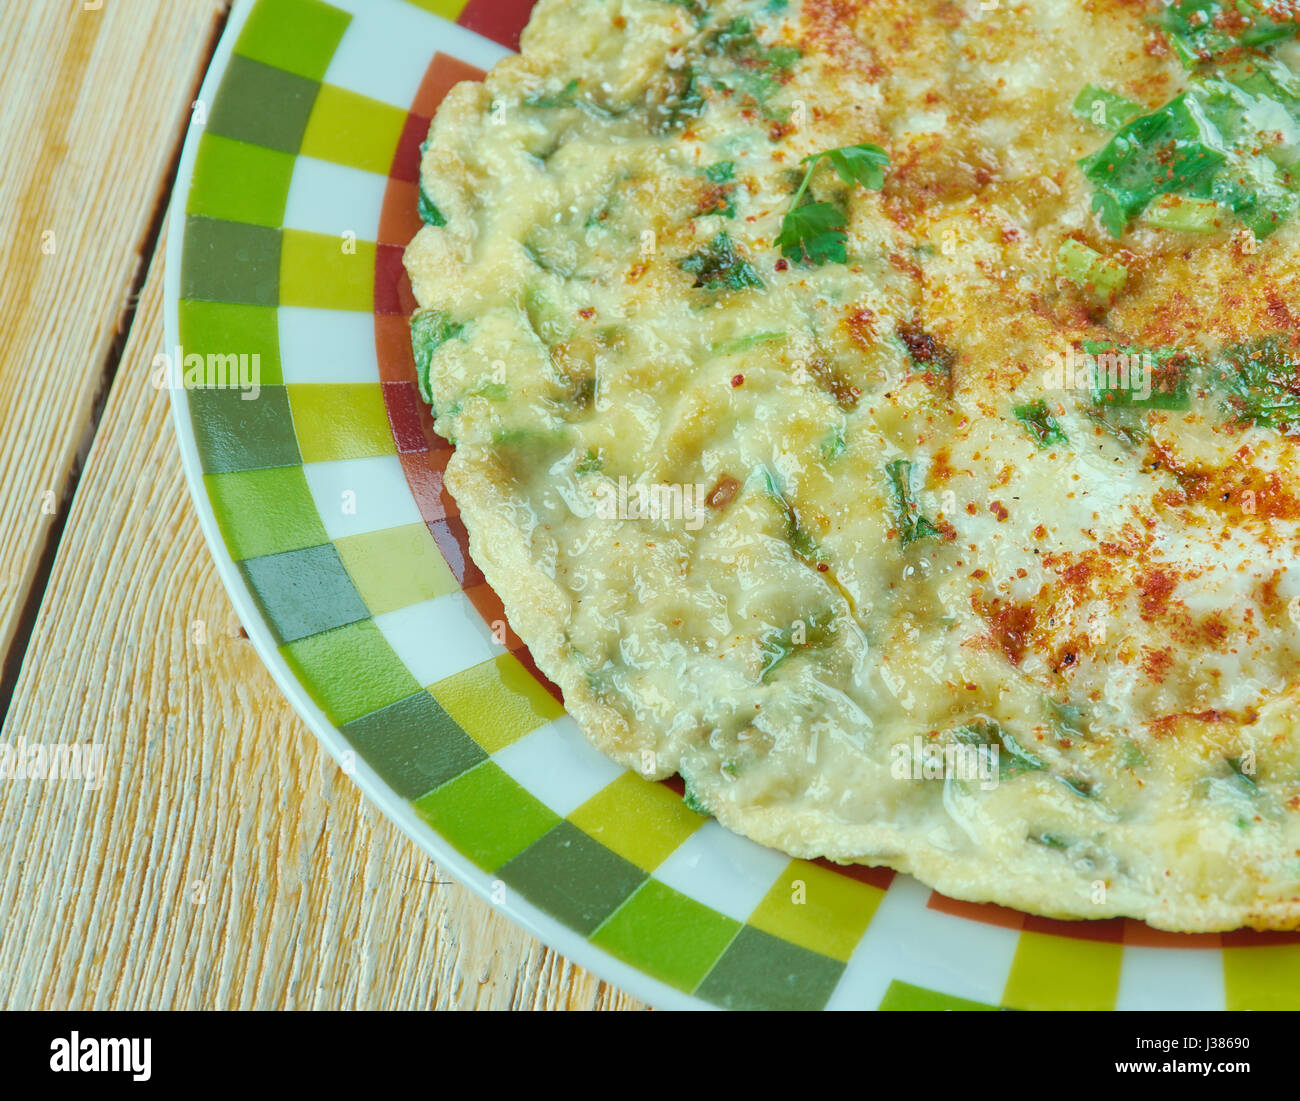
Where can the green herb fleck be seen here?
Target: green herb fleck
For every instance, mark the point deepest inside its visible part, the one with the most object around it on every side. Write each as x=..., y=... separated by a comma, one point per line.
x=1200, y=29
x=430, y=330
x=1101, y=277
x=1068, y=721
x=1133, y=756
x=719, y=266
x=1243, y=776
x=1043, y=428
x=745, y=343
x=1263, y=383
x=911, y=524
x=430, y=215
x=692, y=800
x=1121, y=376
x=834, y=445
x=778, y=645
x=800, y=540
x=1223, y=141
x=565, y=97
x=759, y=70
x=1013, y=759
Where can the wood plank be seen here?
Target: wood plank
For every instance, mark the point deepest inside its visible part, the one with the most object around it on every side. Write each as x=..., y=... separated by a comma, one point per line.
x=90, y=103
x=225, y=862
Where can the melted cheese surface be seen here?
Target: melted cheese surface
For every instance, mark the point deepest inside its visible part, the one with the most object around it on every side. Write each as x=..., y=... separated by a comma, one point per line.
x=1115, y=614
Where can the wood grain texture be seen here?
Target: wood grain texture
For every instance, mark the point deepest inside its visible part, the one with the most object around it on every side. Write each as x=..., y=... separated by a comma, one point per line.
x=89, y=102
x=225, y=862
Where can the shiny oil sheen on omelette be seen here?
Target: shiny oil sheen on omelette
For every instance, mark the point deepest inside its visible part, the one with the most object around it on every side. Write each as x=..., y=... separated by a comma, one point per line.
x=791, y=524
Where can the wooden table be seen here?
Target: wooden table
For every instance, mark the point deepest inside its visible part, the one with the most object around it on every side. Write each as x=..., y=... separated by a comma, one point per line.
x=225, y=862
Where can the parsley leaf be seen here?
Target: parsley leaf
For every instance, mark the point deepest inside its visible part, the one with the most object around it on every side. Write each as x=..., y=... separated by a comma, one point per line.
x=863, y=164
x=1262, y=380
x=815, y=232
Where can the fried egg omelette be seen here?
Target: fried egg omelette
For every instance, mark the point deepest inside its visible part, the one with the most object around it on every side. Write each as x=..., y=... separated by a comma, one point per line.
x=884, y=413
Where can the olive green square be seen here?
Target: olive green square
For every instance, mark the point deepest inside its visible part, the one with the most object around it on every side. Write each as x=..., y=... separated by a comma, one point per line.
x=262, y=105
x=303, y=592
x=349, y=128
x=350, y=671
x=486, y=815
x=573, y=878
x=667, y=935
x=396, y=567
x=327, y=272
x=346, y=420
x=760, y=971
x=299, y=36
x=232, y=432
x=230, y=262
x=225, y=328
x=264, y=511
x=239, y=182
x=414, y=745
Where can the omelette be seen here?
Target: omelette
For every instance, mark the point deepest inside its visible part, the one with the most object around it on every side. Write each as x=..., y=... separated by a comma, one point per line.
x=884, y=414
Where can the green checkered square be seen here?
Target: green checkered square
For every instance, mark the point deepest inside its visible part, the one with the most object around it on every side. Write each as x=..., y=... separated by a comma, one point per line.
x=230, y=262
x=303, y=592
x=486, y=815
x=299, y=36
x=239, y=182
x=264, y=511
x=667, y=935
x=573, y=878
x=225, y=328
x=350, y=671
x=760, y=971
x=903, y=996
x=414, y=745
x=234, y=432
x=262, y=105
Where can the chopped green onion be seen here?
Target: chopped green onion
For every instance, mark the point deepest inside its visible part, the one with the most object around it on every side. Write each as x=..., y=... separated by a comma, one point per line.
x=1101, y=277
x=1105, y=109
x=1126, y=376
x=1200, y=29
x=1185, y=215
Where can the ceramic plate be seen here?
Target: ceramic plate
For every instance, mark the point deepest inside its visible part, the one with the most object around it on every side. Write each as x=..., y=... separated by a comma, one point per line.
x=318, y=481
